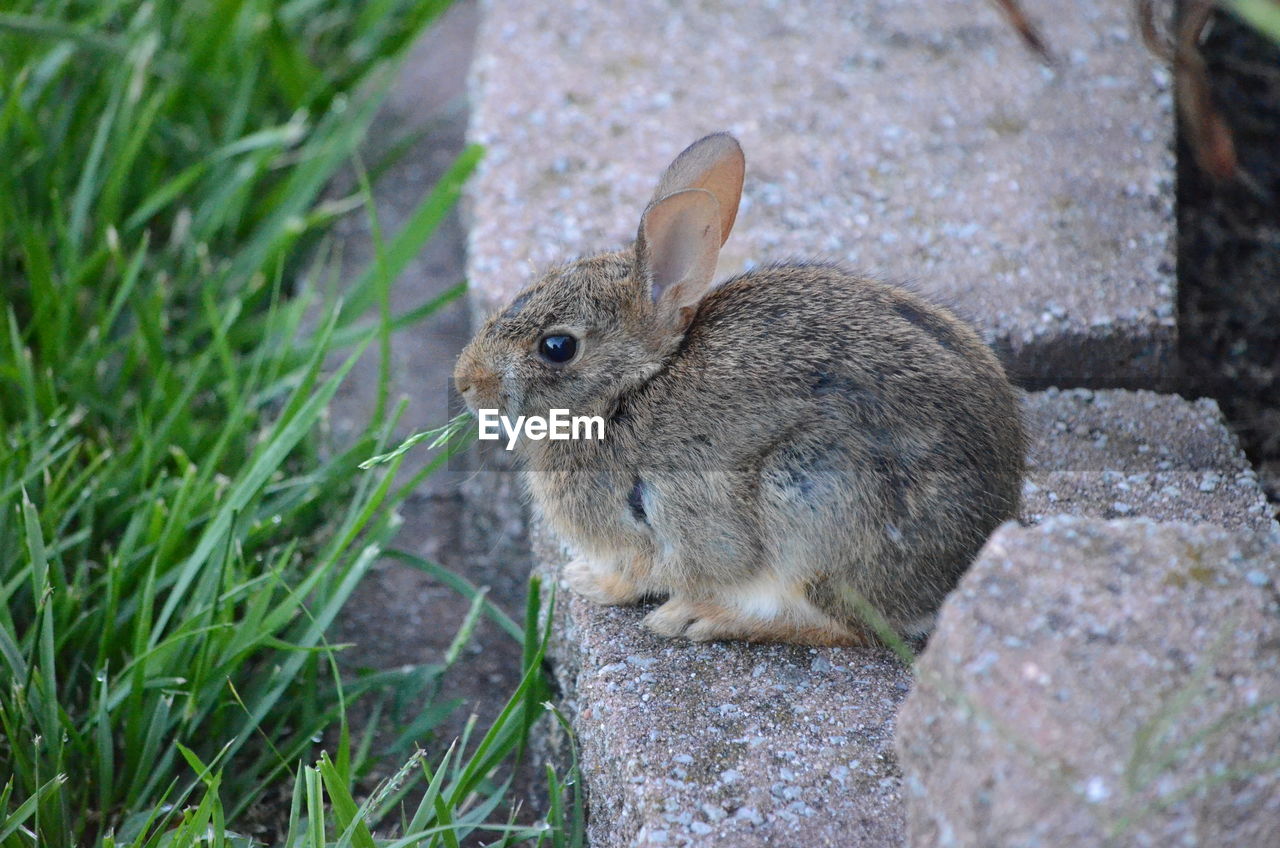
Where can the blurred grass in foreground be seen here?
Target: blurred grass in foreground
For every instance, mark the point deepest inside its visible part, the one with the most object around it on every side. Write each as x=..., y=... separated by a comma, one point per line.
x=174, y=542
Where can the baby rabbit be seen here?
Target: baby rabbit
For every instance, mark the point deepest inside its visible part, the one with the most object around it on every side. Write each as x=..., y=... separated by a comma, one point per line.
x=783, y=450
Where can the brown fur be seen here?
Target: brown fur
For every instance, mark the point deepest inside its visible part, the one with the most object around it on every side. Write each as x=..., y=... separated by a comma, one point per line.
x=777, y=446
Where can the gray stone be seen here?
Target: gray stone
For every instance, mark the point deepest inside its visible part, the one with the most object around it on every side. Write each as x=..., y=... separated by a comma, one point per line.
x=1137, y=704
x=916, y=142
x=1080, y=430
x=1115, y=454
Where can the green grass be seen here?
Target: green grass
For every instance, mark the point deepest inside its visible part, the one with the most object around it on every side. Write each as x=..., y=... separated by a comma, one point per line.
x=1263, y=15
x=175, y=538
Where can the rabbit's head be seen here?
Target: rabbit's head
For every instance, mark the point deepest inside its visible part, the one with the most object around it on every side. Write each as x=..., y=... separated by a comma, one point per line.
x=586, y=333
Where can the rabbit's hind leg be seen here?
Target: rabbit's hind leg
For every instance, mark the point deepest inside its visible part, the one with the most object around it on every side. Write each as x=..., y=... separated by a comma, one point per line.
x=730, y=623
x=765, y=610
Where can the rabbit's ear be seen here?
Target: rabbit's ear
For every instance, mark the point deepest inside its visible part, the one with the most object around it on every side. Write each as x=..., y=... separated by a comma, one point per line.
x=677, y=248
x=714, y=164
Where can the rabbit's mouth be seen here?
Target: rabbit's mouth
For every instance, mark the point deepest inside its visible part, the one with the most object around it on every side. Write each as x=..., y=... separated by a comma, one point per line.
x=477, y=400
x=468, y=393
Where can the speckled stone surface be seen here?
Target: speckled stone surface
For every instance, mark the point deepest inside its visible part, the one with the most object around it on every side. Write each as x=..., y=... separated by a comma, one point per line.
x=1101, y=683
x=915, y=142
x=805, y=733
x=1118, y=454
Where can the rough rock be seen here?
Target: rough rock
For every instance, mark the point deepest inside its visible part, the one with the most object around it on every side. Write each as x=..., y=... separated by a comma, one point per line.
x=916, y=142
x=1119, y=454
x=1102, y=683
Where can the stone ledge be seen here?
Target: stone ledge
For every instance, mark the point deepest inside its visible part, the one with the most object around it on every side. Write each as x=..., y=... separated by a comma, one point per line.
x=728, y=743
x=913, y=141
x=1117, y=454
x=1101, y=683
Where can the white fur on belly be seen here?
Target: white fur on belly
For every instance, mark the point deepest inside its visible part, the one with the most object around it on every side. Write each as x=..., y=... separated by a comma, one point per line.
x=767, y=597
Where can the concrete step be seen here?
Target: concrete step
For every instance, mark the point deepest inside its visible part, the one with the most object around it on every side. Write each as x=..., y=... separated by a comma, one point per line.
x=746, y=745
x=914, y=141
x=1101, y=683
x=1115, y=454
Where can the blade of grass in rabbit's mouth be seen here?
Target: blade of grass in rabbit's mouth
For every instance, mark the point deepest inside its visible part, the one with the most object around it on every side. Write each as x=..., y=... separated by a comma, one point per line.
x=446, y=436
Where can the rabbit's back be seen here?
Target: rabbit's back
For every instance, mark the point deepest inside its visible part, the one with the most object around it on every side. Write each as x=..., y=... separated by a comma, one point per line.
x=873, y=435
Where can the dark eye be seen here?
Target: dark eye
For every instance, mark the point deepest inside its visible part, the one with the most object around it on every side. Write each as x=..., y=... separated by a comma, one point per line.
x=557, y=348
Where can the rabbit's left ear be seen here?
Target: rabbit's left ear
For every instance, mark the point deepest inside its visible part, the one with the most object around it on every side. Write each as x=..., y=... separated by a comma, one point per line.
x=714, y=164
x=676, y=250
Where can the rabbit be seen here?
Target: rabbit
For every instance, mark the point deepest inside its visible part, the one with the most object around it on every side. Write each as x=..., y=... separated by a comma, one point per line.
x=795, y=454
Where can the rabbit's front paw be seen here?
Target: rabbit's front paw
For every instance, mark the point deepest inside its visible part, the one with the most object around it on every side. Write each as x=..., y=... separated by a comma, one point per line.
x=599, y=584
x=708, y=621
x=711, y=621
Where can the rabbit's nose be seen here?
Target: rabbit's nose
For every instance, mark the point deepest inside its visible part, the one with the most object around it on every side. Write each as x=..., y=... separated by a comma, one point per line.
x=475, y=381
x=475, y=384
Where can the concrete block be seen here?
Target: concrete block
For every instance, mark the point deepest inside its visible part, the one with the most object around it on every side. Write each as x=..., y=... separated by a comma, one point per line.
x=1101, y=683
x=916, y=142
x=1119, y=454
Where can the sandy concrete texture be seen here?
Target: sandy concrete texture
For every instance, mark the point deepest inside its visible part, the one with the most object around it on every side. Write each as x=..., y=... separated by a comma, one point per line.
x=1117, y=454
x=1101, y=684
x=916, y=142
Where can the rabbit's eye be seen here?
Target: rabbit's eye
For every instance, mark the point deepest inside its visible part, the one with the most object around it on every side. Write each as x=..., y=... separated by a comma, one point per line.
x=558, y=348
